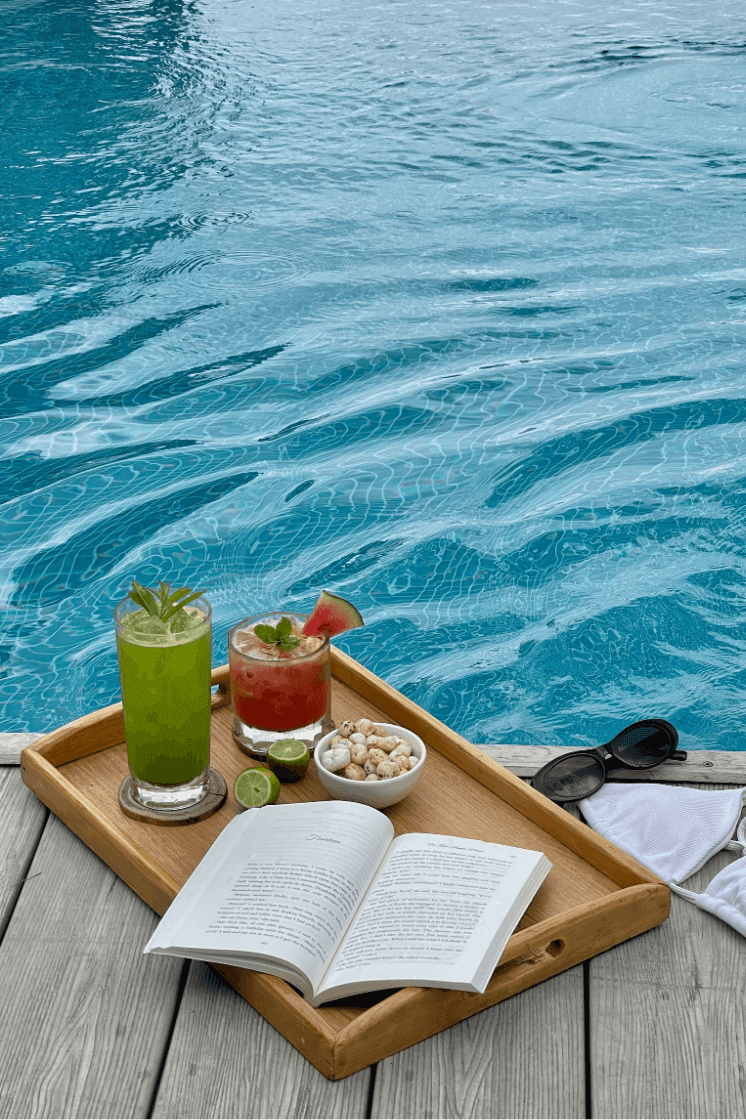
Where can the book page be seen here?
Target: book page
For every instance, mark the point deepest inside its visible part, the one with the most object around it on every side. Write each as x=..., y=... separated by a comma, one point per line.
x=284, y=886
x=432, y=912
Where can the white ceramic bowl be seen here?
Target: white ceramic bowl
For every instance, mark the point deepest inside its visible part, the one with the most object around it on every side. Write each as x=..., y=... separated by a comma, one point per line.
x=378, y=794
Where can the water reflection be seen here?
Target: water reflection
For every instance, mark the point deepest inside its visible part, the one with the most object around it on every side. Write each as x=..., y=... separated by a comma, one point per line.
x=435, y=305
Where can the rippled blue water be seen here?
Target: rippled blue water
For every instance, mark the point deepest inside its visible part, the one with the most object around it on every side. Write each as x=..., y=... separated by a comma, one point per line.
x=440, y=306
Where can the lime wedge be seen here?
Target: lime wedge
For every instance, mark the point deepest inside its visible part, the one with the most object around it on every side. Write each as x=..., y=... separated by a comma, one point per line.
x=288, y=759
x=256, y=787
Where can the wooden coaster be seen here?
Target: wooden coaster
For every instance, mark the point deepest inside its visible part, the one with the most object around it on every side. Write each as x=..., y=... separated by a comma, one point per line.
x=214, y=799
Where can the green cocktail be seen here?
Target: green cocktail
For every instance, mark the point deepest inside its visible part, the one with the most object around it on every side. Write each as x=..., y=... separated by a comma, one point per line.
x=165, y=666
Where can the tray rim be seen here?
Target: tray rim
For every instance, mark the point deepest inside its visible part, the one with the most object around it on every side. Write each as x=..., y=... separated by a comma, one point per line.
x=641, y=898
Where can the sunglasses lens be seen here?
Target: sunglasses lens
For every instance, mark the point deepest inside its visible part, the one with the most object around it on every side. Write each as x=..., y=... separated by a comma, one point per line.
x=571, y=777
x=644, y=745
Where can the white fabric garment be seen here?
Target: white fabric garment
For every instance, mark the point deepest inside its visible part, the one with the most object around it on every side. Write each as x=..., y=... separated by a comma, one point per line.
x=674, y=831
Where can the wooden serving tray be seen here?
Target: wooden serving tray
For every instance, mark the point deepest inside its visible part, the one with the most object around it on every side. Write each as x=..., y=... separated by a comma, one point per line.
x=594, y=896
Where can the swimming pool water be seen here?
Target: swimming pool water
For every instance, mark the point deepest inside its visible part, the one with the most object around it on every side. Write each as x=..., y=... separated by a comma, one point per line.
x=437, y=306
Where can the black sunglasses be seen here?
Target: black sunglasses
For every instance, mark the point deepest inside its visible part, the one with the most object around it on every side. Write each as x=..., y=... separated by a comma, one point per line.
x=579, y=774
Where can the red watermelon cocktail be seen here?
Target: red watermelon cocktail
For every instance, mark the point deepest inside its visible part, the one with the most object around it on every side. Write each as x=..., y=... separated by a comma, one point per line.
x=280, y=668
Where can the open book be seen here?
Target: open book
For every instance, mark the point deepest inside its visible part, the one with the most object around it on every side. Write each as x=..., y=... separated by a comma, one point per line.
x=323, y=895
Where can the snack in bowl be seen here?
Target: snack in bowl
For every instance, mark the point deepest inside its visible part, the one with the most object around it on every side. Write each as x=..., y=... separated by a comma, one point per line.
x=374, y=763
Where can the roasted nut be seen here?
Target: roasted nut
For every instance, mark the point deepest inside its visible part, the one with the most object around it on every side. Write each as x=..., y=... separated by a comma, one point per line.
x=369, y=766
x=346, y=728
x=365, y=726
x=403, y=750
x=371, y=777
x=356, y=773
x=336, y=759
x=358, y=753
x=387, y=744
x=387, y=769
x=375, y=754
x=357, y=737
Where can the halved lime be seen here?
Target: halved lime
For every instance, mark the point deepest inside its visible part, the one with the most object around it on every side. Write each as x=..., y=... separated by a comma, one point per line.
x=256, y=787
x=288, y=759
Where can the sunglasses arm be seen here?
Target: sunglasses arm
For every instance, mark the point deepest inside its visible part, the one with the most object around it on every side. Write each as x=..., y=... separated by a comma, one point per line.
x=612, y=763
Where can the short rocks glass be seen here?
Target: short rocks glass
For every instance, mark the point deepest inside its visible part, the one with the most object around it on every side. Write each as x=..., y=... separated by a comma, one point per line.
x=277, y=693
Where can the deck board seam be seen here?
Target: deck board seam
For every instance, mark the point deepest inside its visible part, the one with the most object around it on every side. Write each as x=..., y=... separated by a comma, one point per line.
x=587, y=1039
x=371, y=1091
x=183, y=977
x=24, y=876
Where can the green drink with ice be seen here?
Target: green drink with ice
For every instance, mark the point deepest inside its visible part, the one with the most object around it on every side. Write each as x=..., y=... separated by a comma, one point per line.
x=164, y=645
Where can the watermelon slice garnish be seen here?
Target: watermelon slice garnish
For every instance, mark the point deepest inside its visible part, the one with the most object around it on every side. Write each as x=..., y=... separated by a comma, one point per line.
x=332, y=615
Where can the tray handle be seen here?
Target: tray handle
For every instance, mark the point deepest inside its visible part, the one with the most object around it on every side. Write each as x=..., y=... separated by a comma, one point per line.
x=221, y=689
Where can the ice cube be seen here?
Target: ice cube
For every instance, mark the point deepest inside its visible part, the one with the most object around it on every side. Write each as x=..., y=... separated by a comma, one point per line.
x=181, y=621
x=247, y=641
x=185, y=622
x=140, y=625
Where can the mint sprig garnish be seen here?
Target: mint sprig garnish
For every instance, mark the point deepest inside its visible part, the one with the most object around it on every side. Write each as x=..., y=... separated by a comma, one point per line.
x=165, y=603
x=279, y=635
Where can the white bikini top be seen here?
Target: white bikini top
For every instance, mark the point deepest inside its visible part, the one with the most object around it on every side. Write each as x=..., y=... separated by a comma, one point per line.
x=674, y=831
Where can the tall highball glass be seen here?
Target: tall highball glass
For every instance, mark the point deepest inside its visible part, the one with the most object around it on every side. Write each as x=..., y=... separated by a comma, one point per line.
x=165, y=672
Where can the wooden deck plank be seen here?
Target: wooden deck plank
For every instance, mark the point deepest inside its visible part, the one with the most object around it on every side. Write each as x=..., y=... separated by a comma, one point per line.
x=23, y=817
x=11, y=745
x=700, y=766
x=225, y=1060
x=667, y=1025
x=87, y=1018
x=524, y=1057
x=85, y=1022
